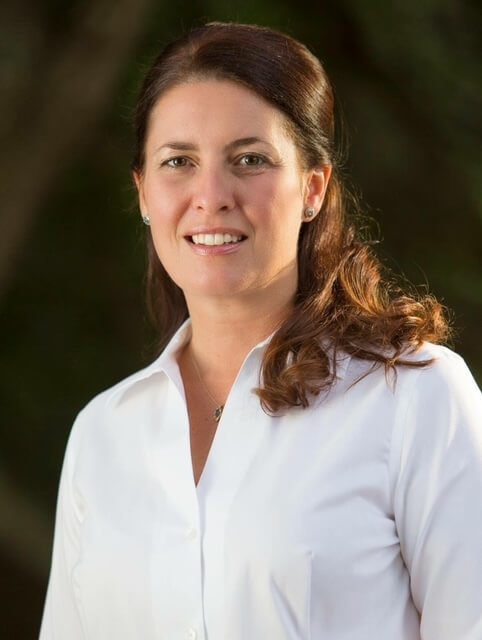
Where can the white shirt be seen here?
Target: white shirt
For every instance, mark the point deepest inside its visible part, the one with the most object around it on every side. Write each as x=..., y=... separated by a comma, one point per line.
x=356, y=519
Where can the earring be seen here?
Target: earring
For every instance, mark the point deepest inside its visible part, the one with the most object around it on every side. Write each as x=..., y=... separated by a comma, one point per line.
x=146, y=220
x=308, y=213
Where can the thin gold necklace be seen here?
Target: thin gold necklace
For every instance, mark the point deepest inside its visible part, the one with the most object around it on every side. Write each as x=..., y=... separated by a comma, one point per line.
x=218, y=411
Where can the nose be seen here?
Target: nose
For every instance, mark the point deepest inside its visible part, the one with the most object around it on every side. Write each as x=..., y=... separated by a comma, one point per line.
x=212, y=190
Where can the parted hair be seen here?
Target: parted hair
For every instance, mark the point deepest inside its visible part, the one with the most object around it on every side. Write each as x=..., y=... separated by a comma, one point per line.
x=346, y=301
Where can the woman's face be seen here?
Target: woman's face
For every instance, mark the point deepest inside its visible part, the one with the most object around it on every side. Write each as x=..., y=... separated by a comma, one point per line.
x=220, y=167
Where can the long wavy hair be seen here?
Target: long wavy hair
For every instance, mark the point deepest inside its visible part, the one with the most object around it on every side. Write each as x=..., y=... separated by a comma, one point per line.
x=344, y=294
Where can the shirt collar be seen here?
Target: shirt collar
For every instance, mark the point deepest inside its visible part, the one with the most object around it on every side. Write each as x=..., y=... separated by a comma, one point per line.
x=166, y=362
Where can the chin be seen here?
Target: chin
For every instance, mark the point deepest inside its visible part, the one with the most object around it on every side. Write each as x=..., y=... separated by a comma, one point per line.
x=216, y=288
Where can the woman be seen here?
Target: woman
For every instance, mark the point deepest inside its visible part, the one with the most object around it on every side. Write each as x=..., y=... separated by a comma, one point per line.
x=302, y=460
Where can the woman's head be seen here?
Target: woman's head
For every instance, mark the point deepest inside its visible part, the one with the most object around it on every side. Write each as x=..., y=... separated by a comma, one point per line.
x=341, y=292
x=220, y=167
x=280, y=71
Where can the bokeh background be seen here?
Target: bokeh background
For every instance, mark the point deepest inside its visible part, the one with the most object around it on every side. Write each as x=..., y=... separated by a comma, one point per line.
x=72, y=318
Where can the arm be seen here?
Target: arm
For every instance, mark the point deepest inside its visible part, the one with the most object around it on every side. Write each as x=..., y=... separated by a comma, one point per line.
x=61, y=617
x=436, y=470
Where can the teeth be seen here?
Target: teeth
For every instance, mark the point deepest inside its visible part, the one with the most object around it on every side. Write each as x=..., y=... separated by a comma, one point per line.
x=215, y=238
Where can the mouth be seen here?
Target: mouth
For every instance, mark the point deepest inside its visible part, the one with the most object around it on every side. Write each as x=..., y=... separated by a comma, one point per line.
x=215, y=239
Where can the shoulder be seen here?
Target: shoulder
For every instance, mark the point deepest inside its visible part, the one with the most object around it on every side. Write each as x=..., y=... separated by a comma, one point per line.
x=437, y=388
x=441, y=355
x=440, y=408
x=445, y=374
x=433, y=365
x=110, y=408
x=107, y=399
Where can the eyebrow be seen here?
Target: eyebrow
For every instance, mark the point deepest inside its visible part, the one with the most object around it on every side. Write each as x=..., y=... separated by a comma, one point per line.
x=190, y=146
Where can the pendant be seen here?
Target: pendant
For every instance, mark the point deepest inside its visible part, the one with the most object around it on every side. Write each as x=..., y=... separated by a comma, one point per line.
x=218, y=412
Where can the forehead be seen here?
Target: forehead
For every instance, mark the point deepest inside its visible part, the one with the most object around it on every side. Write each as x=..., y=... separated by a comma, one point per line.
x=216, y=110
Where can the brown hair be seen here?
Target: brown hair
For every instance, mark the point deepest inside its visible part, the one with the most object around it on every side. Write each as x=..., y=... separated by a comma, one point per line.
x=342, y=292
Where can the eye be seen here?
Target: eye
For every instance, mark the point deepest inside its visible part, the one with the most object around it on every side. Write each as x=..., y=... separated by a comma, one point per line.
x=252, y=160
x=175, y=163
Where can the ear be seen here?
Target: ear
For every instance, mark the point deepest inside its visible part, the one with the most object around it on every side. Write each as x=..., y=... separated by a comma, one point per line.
x=137, y=177
x=316, y=185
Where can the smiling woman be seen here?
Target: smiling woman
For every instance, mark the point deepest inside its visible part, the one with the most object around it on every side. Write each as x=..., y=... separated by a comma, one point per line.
x=298, y=461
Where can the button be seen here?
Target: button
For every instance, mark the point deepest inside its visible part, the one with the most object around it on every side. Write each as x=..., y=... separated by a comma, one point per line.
x=191, y=534
x=192, y=633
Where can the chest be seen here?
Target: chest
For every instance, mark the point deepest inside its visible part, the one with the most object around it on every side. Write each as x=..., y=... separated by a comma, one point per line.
x=296, y=471
x=297, y=506
x=202, y=430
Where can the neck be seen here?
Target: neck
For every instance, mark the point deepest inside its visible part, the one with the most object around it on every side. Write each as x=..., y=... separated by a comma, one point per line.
x=224, y=332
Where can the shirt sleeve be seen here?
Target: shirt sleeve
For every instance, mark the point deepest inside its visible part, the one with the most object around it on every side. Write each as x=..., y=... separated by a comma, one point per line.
x=436, y=467
x=61, y=616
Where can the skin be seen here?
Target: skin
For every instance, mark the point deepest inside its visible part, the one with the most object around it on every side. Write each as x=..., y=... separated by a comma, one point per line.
x=237, y=299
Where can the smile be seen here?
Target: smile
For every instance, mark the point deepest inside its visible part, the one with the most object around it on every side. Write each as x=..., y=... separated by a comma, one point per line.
x=215, y=239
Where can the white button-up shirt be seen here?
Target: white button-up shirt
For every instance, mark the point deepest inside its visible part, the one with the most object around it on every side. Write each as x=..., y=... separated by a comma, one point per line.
x=357, y=518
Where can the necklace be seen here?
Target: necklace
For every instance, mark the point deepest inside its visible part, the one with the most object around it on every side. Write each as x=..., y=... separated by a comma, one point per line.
x=218, y=411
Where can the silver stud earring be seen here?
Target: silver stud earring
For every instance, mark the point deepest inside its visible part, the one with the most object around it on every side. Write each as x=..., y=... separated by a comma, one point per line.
x=308, y=213
x=146, y=220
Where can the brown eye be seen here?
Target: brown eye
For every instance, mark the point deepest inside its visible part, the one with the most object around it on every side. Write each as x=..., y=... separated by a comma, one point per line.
x=176, y=163
x=252, y=160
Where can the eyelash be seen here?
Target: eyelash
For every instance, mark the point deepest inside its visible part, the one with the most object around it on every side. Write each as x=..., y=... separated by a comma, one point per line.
x=262, y=160
x=166, y=163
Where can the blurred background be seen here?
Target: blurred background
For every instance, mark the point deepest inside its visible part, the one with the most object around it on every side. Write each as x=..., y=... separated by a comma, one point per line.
x=72, y=318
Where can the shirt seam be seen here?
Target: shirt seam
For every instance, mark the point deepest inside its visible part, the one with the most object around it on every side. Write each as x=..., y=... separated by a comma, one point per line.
x=397, y=437
x=78, y=435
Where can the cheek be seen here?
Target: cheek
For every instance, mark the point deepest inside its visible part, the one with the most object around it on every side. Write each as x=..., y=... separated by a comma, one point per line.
x=281, y=193
x=167, y=251
x=284, y=203
x=163, y=199
x=166, y=207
